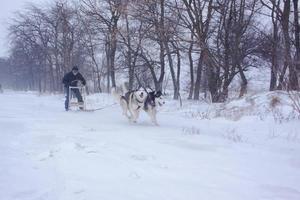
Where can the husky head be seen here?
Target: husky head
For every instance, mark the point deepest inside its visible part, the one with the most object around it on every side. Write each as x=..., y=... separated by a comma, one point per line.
x=140, y=95
x=151, y=98
x=159, y=100
x=155, y=98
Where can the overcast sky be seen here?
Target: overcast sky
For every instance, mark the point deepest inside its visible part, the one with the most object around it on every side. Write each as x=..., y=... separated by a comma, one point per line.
x=7, y=8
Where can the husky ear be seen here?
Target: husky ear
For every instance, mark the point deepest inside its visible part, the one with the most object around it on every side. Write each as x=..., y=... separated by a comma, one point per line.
x=138, y=88
x=152, y=93
x=158, y=94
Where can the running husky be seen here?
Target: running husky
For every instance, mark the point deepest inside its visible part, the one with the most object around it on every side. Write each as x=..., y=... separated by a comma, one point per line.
x=153, y=100
x=137, y=100
x=131, y=101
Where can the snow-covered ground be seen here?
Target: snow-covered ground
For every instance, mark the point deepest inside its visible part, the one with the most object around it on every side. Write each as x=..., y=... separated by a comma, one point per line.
x=235, y=151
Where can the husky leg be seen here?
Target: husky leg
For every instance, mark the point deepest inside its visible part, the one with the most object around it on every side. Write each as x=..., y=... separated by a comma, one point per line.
x=135, y=115
x=125, y=112
x=125, y=108
x=152, y=114
x=131, y=117
x=132, y=112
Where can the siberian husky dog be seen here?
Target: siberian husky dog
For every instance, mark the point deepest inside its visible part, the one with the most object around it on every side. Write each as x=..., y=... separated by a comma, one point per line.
x=130, y=101
x=137, y=100
x=153, y=101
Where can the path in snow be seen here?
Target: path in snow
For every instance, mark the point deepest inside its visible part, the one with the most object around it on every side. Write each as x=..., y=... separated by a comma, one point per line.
x=49, y=154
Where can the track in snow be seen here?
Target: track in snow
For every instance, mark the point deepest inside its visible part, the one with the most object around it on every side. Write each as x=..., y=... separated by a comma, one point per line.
x=49, y=154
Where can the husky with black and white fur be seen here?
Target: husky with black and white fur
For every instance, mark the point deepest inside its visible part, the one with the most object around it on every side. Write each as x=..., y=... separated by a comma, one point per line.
x=130, y=101
x=137, y=100
x=153, y=101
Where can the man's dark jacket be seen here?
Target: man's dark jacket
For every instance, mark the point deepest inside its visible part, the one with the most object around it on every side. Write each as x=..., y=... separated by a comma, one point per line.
x=71, y=80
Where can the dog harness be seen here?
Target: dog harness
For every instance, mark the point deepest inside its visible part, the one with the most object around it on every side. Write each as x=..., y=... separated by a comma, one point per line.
x=127, y=96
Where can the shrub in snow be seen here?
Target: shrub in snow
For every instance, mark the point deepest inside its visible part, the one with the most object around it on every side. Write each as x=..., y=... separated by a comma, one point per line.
x=190, y=131
x=275, y=101
x=295, y=101
x=233, y=136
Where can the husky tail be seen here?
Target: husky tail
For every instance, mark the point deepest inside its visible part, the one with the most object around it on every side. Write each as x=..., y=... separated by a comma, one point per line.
x=117, y=96
x=125, y=87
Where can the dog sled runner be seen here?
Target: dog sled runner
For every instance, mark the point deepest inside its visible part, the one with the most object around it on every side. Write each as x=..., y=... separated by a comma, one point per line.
x=74, y=105
x=73, y=102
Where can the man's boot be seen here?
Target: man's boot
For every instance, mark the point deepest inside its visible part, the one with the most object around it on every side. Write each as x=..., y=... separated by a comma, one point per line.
x=80, y=105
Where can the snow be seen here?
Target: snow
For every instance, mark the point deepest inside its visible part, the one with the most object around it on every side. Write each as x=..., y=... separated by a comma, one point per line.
x=197, y=152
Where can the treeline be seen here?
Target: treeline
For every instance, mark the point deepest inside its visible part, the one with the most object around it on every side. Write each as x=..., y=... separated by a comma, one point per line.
x=201, y=44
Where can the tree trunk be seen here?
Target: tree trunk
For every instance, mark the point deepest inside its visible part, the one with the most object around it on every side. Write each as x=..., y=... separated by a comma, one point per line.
x=244, y=83
x=129, y=55
x=172, y=70
x=191, y=62
x=178, y=74
x=198, y=77
x=112, y=58
x=293, y=80
x=108, y=65
x=161, y=44
x=274, y=67
x=297, y=37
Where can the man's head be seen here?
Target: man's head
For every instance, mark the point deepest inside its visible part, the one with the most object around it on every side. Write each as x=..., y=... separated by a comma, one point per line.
x=75, y=70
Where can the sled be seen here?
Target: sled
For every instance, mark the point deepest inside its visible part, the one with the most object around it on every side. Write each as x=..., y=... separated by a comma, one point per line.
x=73, y=102
x=74, y=105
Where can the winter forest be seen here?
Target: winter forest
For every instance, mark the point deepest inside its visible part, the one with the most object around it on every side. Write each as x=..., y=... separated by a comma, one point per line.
x=186, y=46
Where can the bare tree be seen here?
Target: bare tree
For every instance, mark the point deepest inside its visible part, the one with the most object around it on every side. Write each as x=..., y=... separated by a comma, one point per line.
x=297, y=37
x=116, y=39
x=107, y=13
x=282, y=10
x=49, y=38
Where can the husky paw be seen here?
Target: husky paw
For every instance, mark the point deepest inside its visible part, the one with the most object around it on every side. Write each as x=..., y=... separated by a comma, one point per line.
x=155, y=123
x=132, y=120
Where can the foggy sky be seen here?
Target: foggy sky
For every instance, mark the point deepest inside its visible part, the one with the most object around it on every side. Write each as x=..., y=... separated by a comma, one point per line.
x=7, y=8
